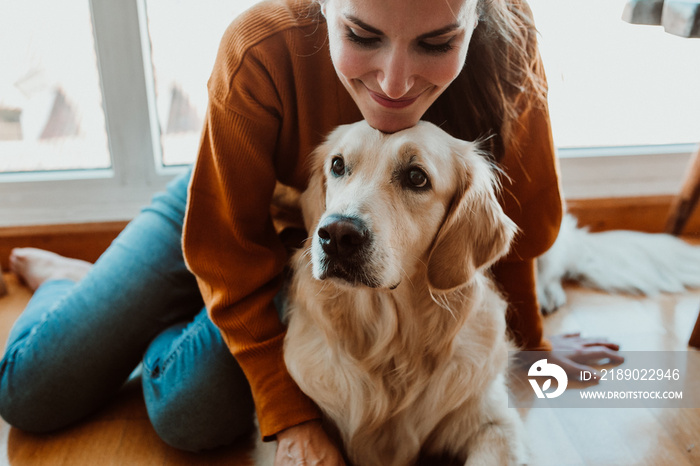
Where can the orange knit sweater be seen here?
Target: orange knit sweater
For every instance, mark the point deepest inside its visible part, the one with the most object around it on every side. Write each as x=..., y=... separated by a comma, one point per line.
x=273, y=95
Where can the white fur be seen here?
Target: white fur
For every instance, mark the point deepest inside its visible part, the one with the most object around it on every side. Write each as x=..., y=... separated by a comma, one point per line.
x=615, y=261
x=414, y=364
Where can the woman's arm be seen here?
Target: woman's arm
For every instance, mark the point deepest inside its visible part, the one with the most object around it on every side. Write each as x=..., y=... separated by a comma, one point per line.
x=229, y=240
x=531, y=198
x=231, y=246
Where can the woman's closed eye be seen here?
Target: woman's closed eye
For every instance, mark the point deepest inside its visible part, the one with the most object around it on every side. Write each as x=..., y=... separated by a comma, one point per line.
x=436, y=47
x=441, y=43
x=361, y=38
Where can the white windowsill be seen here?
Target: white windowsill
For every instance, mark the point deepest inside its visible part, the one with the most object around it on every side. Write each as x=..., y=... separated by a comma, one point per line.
x=616, y=176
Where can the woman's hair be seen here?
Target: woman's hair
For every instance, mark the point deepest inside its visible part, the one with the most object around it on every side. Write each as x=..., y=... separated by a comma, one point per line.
x=501, y=79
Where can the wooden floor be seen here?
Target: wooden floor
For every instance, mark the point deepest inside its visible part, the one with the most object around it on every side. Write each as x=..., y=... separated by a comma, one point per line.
x=122, y=435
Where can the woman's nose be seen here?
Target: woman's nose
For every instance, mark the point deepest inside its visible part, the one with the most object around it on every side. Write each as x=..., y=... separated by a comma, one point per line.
x=396, y=74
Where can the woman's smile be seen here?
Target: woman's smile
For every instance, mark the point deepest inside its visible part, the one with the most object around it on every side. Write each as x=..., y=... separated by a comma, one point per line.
x=387, y=102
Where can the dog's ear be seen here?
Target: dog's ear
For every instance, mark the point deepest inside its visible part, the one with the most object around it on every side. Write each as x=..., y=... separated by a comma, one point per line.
x=475, y=232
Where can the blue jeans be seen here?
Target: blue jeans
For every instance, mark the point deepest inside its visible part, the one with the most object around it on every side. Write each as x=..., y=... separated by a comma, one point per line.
x=75, y=344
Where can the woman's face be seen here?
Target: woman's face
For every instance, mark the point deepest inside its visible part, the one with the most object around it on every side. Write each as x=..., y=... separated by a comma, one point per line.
x=395, y=57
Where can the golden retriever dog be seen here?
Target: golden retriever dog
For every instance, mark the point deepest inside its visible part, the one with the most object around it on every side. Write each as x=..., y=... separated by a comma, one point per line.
x=395, y=329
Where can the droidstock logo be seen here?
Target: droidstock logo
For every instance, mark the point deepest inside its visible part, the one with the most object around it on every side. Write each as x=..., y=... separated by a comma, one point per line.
x=542, y=368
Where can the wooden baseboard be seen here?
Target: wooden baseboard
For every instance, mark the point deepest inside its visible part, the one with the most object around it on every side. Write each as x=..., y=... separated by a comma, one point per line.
x=84, y=241
x=88, y=240
x=647, y=214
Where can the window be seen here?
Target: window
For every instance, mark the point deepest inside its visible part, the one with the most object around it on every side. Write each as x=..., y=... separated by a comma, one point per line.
x=623, y=99
x=614, y=84
x=182, y=63
x=51, y=114
x=117, y=91
x=149, y=72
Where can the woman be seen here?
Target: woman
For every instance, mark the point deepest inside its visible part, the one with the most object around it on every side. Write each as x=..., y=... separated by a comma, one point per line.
x=286, y=74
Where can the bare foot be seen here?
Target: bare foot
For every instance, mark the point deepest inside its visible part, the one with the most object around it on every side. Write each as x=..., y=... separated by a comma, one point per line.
x=35, y=266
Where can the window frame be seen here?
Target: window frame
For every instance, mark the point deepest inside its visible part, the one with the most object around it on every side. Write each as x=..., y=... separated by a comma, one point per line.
x=117, y=193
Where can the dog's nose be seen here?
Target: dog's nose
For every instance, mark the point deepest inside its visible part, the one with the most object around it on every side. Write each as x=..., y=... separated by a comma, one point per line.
x=342, y=236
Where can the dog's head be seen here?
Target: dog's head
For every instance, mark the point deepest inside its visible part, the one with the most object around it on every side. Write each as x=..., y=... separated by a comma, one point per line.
x=385, y=207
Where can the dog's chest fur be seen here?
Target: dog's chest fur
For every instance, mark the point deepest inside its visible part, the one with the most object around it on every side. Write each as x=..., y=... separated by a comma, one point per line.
x=389, y=367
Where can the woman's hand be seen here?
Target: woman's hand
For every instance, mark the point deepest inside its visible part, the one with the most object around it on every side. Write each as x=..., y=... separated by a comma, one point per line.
x=306, y=444
x=573, y=353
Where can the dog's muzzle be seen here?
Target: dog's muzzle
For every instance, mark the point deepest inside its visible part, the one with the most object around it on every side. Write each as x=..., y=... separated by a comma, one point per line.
x=346, y=243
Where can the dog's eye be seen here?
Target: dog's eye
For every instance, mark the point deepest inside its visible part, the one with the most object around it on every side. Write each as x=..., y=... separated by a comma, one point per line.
x=418, y=179
x=338, y=166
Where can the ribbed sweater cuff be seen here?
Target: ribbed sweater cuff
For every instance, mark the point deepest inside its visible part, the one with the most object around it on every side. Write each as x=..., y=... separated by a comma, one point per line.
x=279, y=402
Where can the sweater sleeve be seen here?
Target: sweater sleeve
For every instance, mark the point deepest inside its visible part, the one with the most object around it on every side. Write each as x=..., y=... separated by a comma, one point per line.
x=229, y=240
x=531, y=198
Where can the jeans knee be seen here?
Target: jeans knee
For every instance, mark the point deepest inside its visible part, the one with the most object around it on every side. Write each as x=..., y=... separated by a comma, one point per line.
x=196, y=395
x=36, y=398
x=29, y=408
x=194, y=423
x=186, y=439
